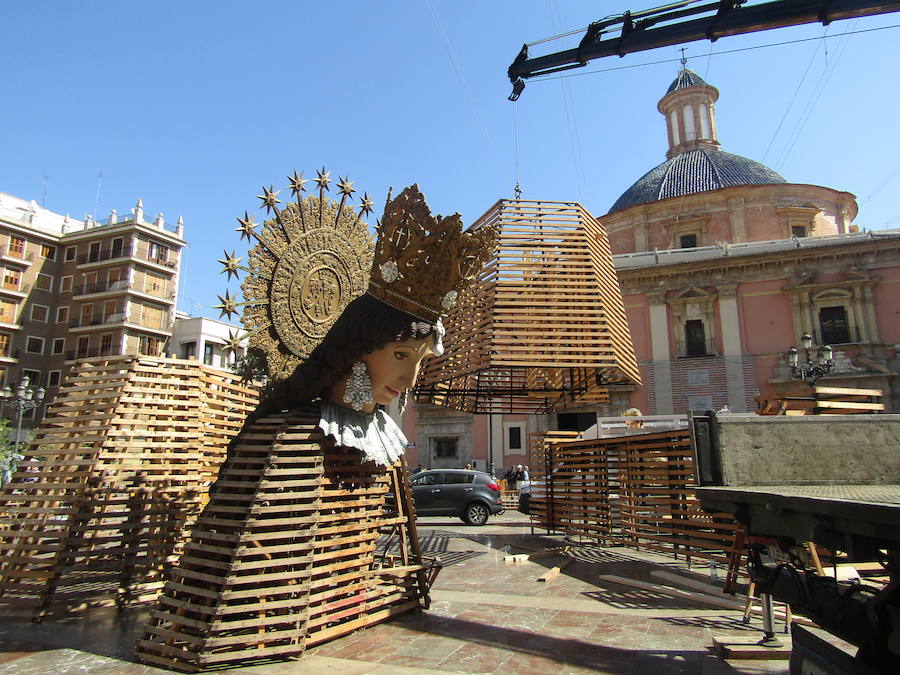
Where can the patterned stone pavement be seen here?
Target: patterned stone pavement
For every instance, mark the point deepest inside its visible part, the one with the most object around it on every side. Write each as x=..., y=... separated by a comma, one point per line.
x=487, y=616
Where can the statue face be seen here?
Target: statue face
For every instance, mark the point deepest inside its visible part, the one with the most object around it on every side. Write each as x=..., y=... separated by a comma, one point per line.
x=395, y=367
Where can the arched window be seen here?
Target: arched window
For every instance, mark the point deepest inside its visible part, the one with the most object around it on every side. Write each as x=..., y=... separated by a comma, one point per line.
x=673, y=125
x=690, y=131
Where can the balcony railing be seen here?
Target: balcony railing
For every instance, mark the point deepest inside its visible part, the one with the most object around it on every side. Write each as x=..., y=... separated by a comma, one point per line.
x=101, y=320
x=696, y=349
x=85, y=289
x=90, y=352
x=837, y=335
x=108, y=254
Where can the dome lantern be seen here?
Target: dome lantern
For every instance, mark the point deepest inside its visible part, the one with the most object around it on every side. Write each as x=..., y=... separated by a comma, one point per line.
x=688, y=107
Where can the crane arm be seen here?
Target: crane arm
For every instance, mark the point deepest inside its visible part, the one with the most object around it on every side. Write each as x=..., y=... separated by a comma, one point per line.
x=638, y=31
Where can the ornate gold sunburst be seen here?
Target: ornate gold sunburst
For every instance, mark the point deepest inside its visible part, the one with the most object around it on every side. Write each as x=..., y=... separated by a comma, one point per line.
x=308, y=263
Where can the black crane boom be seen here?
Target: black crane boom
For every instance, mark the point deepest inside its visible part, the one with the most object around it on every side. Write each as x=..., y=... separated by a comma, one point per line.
x=638, y=31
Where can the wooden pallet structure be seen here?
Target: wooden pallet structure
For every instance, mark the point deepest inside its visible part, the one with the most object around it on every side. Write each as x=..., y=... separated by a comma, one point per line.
x=544, y=326
x=636, y=490
x=824, y=400
x=301, y=542
x=112, y=481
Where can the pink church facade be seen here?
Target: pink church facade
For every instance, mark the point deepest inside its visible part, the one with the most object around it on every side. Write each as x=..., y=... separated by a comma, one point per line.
x=722, y=265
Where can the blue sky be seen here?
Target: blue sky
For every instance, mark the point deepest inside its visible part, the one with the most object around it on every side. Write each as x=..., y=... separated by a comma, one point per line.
x=193, y=106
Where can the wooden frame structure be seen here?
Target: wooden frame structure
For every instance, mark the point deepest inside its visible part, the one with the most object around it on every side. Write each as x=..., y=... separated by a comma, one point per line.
x=544, y=327
x=636, y=490
x=113, y=481
x=293, y=549
x=824, y=400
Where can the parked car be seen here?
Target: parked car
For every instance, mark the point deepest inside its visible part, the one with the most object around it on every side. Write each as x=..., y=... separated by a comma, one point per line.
x=470, y=495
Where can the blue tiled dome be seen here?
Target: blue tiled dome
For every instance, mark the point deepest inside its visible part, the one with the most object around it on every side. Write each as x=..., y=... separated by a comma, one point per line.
x=695, y=171
x=686, y=78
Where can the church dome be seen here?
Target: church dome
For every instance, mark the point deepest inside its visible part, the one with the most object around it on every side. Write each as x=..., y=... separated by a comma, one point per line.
x=686, y=78
x=695, y=171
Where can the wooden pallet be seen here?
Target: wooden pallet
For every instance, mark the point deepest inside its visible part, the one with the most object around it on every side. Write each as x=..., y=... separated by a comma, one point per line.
x=113, y=480
x=544, y=327
x=825, y=400
x=636, y=490
x=287, y=554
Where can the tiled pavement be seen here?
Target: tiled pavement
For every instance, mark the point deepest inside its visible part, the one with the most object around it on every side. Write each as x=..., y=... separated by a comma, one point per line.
x=487, y=616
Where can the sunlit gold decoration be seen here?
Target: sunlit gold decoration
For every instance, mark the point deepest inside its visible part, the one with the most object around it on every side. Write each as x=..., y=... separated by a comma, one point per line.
x=423, y=262
x=543, y=328
x=308, y=262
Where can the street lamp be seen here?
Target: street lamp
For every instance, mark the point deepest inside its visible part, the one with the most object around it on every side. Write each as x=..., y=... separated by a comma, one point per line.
x=22, y=400
x=812, y=370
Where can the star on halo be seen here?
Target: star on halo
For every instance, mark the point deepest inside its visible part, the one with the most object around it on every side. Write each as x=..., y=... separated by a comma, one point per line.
x=345, y=187
x=298, y=183
x=269, y=197
x=366, y=206
x=233, y=343
x=227, y=305
x=323, y=178
x=247, y=227
x=231, y=265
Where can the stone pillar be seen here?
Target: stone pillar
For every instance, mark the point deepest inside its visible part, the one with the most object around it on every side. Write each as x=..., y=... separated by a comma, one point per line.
x=738, y=226
x=731, y=348
x=659, y=346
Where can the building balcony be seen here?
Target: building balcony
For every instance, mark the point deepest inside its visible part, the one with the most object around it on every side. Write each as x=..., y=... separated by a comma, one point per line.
x=89, y=353
x=101, y=320
x=164, y=262
x=15, y=257
x=15, y=290
x=107, y=287
x=103, y=256
x=692, y=349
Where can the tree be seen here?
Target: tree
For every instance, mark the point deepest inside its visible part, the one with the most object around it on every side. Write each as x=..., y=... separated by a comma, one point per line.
x=9, y=453
x=252, y=366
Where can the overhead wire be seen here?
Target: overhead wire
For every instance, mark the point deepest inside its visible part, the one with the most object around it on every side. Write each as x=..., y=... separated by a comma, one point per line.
x=571, y=120
x=821, y=85
x=794, y=97
x=473, y=106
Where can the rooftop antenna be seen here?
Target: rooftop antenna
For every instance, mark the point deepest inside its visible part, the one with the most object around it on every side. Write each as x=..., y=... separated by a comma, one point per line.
x=97, y=200
x=44, y=196
x=683, y=58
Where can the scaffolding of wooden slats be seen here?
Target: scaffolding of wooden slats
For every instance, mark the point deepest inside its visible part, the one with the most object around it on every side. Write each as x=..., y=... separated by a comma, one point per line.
x=636, y=490
x=286, y=554
x=544, y=326
x=824, y=400
x=113, y=480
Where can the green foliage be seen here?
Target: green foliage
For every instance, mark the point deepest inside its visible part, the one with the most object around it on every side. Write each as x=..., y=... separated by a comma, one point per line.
x=253, y=366
x=9, y=456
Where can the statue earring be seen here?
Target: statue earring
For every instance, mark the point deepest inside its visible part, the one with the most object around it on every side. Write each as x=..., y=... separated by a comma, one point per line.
x=358, y=391
x=403, y=400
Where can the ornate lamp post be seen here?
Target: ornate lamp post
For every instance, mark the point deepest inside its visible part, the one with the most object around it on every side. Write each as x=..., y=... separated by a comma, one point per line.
x=812, y=370
x=22, y=400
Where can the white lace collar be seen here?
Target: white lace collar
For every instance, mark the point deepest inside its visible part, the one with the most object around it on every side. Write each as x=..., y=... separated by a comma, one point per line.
x=376, y=434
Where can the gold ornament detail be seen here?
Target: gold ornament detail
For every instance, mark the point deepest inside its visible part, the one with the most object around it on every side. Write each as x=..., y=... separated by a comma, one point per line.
x=422, y=262
x=309, y=261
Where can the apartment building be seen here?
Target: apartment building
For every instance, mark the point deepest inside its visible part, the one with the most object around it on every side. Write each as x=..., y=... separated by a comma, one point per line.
x=71, y=289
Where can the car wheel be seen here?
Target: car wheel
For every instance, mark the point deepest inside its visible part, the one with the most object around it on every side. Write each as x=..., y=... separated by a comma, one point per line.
x=476, y=514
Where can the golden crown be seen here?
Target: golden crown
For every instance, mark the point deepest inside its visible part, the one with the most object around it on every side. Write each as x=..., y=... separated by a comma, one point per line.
x=423, y=262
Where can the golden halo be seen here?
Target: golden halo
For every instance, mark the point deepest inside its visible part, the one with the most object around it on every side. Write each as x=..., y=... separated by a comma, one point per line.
x=309, y=262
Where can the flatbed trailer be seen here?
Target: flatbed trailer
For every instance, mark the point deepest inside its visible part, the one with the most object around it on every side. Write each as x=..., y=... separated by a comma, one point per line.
x=829, y=479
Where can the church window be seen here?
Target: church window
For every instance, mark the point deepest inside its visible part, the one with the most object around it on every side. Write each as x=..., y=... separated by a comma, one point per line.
x=704, y=123
x=690, y=131
x=798, y=231
x=835, y=328
x=673, y=125
x=688, y=240
x=695, y=338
